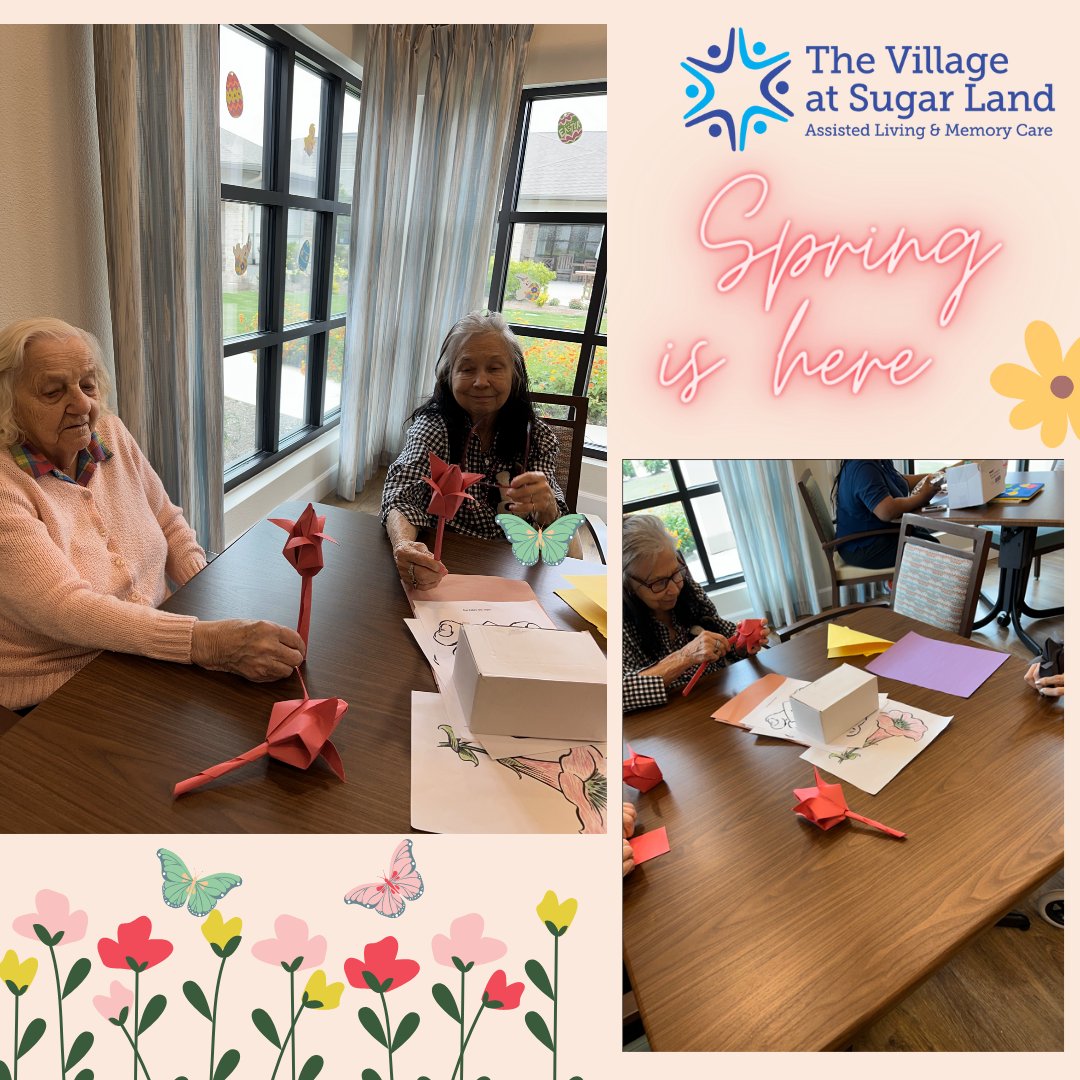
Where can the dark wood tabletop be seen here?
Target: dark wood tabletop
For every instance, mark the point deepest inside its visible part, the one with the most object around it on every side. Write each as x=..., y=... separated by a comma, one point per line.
x=103, y=753
x=760, y=931
x=1047, y=508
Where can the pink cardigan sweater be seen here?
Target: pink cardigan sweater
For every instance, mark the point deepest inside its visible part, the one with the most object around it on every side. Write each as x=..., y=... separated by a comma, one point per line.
x=83, y=569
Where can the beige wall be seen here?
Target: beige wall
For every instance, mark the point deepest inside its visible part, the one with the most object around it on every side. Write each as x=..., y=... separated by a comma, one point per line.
x=54, y=236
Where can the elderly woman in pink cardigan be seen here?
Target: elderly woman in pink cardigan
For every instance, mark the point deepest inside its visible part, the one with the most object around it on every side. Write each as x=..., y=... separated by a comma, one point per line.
x=88, y=535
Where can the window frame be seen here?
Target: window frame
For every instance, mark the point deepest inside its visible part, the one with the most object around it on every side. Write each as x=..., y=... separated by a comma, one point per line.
x=589, y=337
x=274, y=202
x=685, y=494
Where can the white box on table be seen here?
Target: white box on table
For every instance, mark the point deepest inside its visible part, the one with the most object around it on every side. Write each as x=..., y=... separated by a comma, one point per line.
x=975, y=483
x=537, y=683
x=833, y=704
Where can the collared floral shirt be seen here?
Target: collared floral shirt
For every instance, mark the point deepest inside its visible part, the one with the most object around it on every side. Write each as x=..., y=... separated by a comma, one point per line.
x=36, y=464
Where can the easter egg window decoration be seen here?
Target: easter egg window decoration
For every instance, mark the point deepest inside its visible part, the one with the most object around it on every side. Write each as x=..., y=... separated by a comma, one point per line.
x=303, y=257
x=570, y=128
x=234, y=95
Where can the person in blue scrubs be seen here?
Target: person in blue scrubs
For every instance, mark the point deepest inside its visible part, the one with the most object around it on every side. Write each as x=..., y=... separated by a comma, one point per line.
x=872, y=495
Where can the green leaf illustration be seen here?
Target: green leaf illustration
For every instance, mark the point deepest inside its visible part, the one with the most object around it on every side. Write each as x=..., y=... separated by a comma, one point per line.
x=79, y=970
x=261, y=1019
x=372, y=1025
x=444, y=998
x=43, y=935
x=371, y=982
x=535, y=1023
x=5, y=1072
x=194, y=993
x=154, y=1008
x=79, y=1049
x=409, y=1023
x=539, y=978
x=88, y=1074
x=231, y=946
x=34, y=1030
x=367, y=1074
x=229, y=1060
x=312, y=1067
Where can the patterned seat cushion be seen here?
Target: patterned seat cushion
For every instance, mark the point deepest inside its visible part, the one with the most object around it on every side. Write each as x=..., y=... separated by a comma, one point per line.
x=932, y=586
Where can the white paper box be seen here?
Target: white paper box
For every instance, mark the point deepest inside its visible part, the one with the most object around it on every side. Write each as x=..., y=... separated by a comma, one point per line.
x=539, y=683
x=975, y=484
x=830, y=706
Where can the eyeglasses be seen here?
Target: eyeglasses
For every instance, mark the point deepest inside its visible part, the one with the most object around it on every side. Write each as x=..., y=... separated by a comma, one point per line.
x=660, y=585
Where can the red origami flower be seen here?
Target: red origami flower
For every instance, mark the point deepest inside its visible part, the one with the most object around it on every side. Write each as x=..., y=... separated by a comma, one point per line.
x=500, y=995
x=380, y=969
x=304, y=547
x=448, y=484
x=133, y=947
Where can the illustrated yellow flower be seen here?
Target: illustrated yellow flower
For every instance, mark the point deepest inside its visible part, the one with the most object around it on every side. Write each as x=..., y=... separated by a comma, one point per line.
x=219, y=932
x=1051, y=393
x=17, y=976
x=318, y=989
x=555, y=916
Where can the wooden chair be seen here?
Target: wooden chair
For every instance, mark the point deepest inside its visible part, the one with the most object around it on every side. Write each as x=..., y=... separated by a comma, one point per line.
x=564, y=267
x=841, y=572
x=934, y=583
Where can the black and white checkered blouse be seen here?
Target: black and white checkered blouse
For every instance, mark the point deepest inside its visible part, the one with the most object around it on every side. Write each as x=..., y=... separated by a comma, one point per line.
x=406, y=491
x=642, y=691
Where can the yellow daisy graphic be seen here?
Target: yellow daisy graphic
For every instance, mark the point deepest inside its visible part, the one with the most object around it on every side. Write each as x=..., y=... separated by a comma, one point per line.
x=1050, y=394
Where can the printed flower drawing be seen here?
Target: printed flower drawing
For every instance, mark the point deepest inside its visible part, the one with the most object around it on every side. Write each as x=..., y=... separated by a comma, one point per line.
x=1050, y=394
x=893, y=723
x=579, y=775
x=133, y=947
x=382, y=971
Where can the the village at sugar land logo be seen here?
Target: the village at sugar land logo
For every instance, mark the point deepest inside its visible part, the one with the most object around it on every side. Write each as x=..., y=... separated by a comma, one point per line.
x=726, y=117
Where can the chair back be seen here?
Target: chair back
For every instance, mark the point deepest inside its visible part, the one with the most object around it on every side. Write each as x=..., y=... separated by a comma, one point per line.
x=935, y=583
x=817, y=507
x=564, y=265
x=566, y=415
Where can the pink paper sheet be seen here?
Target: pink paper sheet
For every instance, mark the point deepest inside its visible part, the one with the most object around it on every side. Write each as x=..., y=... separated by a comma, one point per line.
x=648, y=845
x=742, y=704
x=474, y=587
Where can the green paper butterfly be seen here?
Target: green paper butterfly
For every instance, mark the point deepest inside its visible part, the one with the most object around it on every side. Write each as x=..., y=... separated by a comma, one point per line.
x=180, y=885
x=531, y=543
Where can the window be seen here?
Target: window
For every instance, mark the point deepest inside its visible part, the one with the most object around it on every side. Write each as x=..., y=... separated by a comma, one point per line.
x=289, y=123
x=549, y=260
x=686, y=496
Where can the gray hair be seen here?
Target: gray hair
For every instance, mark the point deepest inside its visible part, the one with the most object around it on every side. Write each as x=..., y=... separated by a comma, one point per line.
x=644, y=537
x=15, y=340
x=477, y=322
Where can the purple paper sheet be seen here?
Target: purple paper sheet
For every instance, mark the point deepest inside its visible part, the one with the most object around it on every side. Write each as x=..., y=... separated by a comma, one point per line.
x=937, y=665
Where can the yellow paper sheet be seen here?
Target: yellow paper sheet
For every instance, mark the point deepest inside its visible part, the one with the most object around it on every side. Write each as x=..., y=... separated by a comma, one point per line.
x=846, y=642
x=594, y=586
x=585, y=607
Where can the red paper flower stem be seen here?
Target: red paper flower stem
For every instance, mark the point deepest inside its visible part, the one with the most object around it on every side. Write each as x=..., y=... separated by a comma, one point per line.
x=304, y=621
x=876, y=824
x=694, y=681
x=219, y=770
x=438, y=539
x=303, y=685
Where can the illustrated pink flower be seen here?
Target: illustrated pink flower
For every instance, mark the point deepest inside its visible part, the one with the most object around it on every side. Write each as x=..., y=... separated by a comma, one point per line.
x=579, y=775
x=54, y=913
x=118, y=999
x=133, y=947
x=291, y=942
x=894, y=723
x=381, y=963
x=466, y=943
x=500, y=995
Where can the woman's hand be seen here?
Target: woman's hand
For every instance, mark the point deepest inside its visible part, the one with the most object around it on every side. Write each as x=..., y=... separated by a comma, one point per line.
x=260, y=651
x=530, y=495
x=416, y=566
x=629, y=819
x=1048, y=686
x=627, y=858
x=705, y=648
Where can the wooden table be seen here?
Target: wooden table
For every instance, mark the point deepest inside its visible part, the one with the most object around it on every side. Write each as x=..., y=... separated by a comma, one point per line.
x=761, y=932
x=102, y=754
x=1019, y=524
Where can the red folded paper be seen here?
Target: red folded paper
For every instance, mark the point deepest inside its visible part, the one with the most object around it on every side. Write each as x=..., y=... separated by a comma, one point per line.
x=640, y=772
x=747, y=636
x=826, y=806
x=448, y=484
x=304, y=550
x=298, y=733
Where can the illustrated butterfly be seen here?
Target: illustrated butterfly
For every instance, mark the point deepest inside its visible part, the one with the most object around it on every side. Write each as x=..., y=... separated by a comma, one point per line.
x=402, y=883
x=530, y=543
x=200, y=893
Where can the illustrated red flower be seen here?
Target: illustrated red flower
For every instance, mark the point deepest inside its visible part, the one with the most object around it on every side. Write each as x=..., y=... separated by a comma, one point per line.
x=380, y=970
x=498, y=994
x=133, y=947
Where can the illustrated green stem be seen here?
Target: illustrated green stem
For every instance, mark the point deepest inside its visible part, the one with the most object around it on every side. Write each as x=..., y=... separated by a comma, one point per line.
x=461, y=1029
x=389, y=1038
x=288, y=1038
x=292, y=1006
x=213, y=1015
x=15, y=1047
x=59, y=1012
x=461, y=1058
x=138, y=1056
x=135, y=1025
x=555, y=1016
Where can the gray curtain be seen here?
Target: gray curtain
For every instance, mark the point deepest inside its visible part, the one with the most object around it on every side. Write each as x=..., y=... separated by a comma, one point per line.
x=157, y=106
x=428, y=179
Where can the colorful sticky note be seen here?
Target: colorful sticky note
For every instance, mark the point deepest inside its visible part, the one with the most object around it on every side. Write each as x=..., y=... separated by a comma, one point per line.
x=649, y=845
x=846, y=642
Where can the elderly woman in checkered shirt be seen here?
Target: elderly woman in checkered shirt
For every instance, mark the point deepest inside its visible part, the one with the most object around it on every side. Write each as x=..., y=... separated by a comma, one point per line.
x=670, y=627
x=480, y=418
